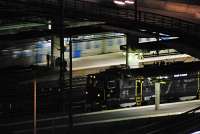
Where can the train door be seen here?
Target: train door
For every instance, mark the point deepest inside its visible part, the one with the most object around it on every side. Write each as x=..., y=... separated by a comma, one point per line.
x=138, y=91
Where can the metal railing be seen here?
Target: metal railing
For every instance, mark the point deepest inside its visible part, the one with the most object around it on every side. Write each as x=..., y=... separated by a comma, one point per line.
x=115, y=14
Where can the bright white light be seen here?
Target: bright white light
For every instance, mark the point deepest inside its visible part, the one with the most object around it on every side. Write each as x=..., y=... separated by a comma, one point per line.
x=119, y=2
x=149, y=78
x=162, y=34
x=143, y=30
x=129, y=1
x=168, y=38
x=140, y=54
x=163, y=77
x=27, y=51
x=197, y=132
x=180, y=75
x=49, y=25
x=5, y=50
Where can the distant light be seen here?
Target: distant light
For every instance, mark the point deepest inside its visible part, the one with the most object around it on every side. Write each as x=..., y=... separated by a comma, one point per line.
x=168, y=38
x=197, y=132
x=98, y=95
x=86, y=92
x=119, y=2
x=14, y=56
x=163, y=77
x=49, y=25
x=149, y=78
x=5, y=50
x=47, y=44
x=129, y=2
x=143, y=30
x=162, y=34
x=16, y=52
x=162, y=82
x=140, y=54
x=27, y=51
x=180, y=75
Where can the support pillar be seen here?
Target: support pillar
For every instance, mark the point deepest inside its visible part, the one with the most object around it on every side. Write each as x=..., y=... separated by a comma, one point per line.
x=34, y=107
x=61, y=35
x=70, y=84
x=55, y=50
x=52, y=53
x=131, y=58
x=127, y=55
x=157, y=95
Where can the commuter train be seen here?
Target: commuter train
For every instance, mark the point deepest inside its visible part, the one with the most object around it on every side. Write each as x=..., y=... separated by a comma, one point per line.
x=113, y=88
x=87, y=45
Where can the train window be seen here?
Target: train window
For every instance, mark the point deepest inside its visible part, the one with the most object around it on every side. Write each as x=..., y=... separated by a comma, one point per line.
x=111, y=84
x=96, y=45
x=76, y=46
x=110, y=42
x=88, y=46
x=119, y=41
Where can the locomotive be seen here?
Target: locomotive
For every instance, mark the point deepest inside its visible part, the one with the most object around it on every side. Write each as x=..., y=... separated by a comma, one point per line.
x=114, y=88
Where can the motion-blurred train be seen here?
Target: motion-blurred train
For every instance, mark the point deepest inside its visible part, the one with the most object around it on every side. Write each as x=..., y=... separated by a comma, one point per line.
x=36, y=52
x=114, y=88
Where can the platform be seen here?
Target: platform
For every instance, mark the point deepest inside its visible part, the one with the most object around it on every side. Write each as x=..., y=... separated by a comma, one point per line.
x=108, y=116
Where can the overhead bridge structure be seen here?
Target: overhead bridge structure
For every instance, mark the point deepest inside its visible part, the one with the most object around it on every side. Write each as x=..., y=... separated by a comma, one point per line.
x=115, y=18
